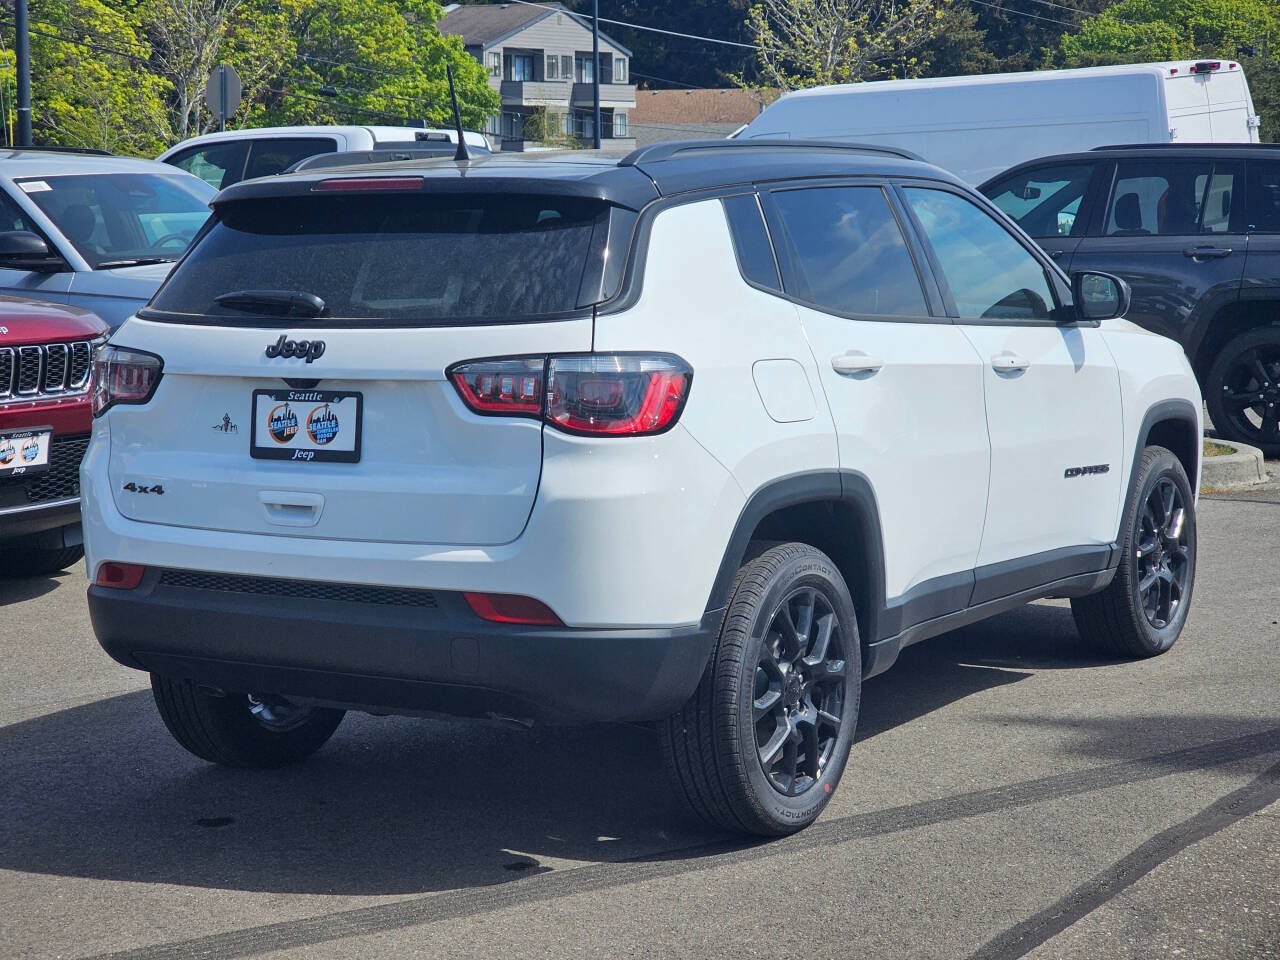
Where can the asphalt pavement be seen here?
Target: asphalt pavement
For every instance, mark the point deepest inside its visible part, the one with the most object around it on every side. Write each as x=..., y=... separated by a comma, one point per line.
x=1011, y=794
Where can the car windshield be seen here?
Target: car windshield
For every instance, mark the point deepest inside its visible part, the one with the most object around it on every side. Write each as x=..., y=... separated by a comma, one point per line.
x=123, y=219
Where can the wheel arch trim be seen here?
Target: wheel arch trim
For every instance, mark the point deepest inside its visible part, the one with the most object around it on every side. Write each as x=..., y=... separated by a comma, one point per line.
x=1175, y=411
x=847, y=487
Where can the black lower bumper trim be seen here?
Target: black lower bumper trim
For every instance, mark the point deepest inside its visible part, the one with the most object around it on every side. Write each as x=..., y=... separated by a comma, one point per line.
x=397, y=658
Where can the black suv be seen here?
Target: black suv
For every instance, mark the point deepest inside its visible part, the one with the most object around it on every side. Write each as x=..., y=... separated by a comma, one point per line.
x=1195, y=229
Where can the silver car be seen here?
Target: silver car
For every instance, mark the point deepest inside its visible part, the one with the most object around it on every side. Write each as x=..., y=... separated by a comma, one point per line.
x=93, y=230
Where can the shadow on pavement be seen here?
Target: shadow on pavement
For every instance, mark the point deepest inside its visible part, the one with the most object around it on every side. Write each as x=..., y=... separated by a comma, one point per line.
x=399, y=806
x=18, y=589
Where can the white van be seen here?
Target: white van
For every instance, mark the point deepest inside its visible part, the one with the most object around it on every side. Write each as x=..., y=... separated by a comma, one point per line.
x=221, y=159
x=979, y=126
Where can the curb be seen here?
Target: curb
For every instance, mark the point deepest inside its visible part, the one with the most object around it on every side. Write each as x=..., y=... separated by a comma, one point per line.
x=1242, y=468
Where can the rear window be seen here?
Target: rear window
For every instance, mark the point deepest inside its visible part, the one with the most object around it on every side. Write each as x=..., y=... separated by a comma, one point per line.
x=394, y=258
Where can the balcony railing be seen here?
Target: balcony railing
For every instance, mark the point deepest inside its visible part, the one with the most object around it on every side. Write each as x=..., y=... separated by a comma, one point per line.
x=610, y=93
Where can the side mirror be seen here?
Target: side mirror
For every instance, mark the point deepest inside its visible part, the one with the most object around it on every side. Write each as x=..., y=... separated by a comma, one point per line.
x=1099, y=296
x=23, y=250
x=1030, y=193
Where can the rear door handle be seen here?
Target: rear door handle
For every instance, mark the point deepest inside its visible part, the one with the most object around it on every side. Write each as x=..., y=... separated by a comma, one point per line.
x=1207, y=253
x=292, y=509
x=1009, y=363
x=854, y=362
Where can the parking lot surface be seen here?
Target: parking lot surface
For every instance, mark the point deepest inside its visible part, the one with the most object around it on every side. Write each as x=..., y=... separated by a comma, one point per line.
x=1011, y=794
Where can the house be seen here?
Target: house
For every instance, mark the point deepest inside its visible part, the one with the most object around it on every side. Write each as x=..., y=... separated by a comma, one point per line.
x=539, y=59
x=695, y=114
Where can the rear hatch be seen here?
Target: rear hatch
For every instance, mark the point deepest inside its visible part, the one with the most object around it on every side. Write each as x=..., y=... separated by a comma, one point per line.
x=363, y=298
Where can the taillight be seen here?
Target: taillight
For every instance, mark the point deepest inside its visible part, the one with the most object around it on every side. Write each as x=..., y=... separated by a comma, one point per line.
x=510, y=608
x=123, y=376
x=614, y=394
x=502, y=387
x=121, y=576
x=366, y=184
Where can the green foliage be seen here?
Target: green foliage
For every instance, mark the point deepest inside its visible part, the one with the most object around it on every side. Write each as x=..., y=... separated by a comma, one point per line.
x=91, y=98
x=1135, y=31
x=135, y=84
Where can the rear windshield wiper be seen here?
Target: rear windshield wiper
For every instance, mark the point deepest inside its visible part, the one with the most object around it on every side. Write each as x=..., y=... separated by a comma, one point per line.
x=133, y=262
x=288, y=303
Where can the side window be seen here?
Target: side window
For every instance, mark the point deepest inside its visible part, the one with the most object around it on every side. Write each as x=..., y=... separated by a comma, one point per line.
x=751, y=242
x=1045, y=202
x=991, y=275
x=1158, y=198
x=1263, y=215
x=850, y=255
x=219, y=164
x=268, y=157
x=12, y=218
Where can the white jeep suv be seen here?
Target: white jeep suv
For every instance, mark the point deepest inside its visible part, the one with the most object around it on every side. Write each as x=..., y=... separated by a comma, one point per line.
x=701, y=437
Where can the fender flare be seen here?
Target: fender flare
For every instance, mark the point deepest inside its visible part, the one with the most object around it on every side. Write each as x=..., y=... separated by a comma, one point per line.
x=1162, y=410
x=848, y=487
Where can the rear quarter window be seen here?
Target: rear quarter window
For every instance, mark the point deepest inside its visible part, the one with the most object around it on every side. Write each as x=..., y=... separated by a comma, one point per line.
x=417, y=259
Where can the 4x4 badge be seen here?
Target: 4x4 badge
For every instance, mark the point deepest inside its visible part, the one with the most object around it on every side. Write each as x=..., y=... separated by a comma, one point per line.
x=311, y=350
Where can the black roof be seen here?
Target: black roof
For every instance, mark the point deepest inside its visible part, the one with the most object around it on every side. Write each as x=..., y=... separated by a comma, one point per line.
x=645, y=175
x=1233, y=151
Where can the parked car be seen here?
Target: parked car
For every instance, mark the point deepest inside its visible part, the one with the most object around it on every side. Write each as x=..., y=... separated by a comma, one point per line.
x=383, y=154
x=45, y=355
x=93, y=230
x=1195, y=230
x=222, y=159
x=704, y=437
x=976, y=126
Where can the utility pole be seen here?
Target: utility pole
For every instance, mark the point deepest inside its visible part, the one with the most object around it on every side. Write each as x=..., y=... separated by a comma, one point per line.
x=23, y=50
x=595, y=70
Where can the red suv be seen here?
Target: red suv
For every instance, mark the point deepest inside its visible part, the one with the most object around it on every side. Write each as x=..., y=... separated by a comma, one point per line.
x=45, y=362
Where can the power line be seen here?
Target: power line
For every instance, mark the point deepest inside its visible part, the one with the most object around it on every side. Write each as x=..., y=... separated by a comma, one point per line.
x=674, y=83
x=1020, y=13
x=636, y=26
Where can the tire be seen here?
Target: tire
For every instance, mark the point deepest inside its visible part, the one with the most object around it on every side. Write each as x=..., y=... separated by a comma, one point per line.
x=19, y=561
x=224, y=728
x=1242, y=390
x=1123, y=619
x=712, y=745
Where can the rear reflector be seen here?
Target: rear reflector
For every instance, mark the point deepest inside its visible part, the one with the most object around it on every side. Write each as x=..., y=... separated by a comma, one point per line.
x=1207, y=66
x=367, y=184
x=509, y=608
x=120, y=576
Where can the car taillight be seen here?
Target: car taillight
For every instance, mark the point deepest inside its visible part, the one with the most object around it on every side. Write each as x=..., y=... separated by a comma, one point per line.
x=501, y=387
x=510, y=608
x=611, y=394
x=121, y=576
x=123, y=376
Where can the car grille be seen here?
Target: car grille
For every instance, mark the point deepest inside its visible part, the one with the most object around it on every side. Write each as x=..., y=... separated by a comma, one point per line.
x=47, y=370
x=298, y=589
x=60, y=482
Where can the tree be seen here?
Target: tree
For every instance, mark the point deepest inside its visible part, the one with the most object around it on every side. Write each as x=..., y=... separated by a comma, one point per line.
x=1135, y=31
x=805, y=43
x=97, y=92
x=374, y=60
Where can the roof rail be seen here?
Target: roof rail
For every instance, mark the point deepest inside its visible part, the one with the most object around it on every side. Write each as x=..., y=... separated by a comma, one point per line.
x=1201, y=146
x=657, y=152
x=91, y=151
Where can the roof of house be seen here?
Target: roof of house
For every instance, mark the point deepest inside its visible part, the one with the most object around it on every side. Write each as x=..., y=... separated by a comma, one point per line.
x=730, y=105
x=485, y=24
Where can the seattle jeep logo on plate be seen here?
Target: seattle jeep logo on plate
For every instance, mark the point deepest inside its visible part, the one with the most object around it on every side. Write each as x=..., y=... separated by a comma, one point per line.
x=306, y=426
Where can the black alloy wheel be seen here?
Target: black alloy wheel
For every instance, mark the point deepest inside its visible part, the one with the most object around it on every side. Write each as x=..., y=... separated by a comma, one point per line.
x=1243, y=390
x=1163, y=553
x=799, y=691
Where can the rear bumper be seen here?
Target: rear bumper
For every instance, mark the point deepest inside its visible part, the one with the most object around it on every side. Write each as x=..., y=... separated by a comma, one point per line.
x=41, y=518
x=394, y=652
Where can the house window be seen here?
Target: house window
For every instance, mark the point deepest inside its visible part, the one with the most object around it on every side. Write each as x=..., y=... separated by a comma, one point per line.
x=566, y=67
x=583, y=72
x=553, y=67
x=583, y=124
x=520, y=66
x=606, y=68
x=619, y=69
x=619, y=124
x=495, y=63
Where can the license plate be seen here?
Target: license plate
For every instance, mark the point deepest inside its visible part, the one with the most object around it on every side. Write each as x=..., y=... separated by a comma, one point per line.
x=308, y=426
x=24, y=452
